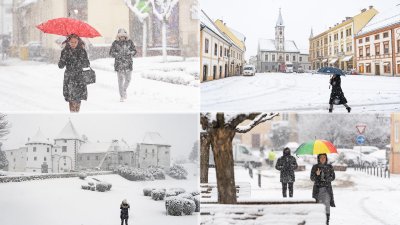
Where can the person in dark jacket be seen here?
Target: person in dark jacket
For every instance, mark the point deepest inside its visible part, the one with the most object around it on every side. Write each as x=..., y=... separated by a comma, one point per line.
x=124, y=212
x=287, y=164
x=337, y=95
x=323, y=174
x=123, y=50
x=74, y=57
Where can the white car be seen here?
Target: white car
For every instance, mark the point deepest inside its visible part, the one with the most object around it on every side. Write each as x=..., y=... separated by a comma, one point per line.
x=366, y=149
x=249, y=70
x=380, y=156
x=353, y=157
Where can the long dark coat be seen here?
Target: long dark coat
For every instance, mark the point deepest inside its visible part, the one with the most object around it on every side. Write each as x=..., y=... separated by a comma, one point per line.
x=123, y=51
x=337, y=92
x=74, y=87
x=329, y=176
x=124, y=211
x=287, y=165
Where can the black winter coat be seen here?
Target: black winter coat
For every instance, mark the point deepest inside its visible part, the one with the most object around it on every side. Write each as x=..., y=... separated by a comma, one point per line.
x=124, y=211
x=287, y=165
x=74, y=87
x=337, y=92
x=323, y=180
x=123, y=51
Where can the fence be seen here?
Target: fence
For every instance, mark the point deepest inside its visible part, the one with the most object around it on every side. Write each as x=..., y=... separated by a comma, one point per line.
x=379, y=171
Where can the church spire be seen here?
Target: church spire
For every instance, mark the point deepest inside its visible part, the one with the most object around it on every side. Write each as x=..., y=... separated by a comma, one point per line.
x=280, y=33
x=312, y=33
x=279, y=22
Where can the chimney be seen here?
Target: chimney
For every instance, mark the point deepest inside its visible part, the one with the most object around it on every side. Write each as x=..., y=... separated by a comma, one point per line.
x=371, y=7
x=347, y=17
x=363, y=10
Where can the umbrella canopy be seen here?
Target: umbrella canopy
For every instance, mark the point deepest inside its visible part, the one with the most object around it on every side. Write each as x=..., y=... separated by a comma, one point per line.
x=331, y=70
x=316, y=147
x=68, y=26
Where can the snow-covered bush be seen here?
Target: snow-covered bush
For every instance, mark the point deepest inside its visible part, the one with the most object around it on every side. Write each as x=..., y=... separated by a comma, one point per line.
x=82, y=175
x=186, y=195
x=194, y=193
x=7, y=179
x=92, y=188
x=147, y=191
x=188, y=206
x=157, y=172
x=177, y=190
x=196, y=200
x=174, y=206
x=85, y=187
x=103, y=186
x=170, y=193
x=158, y=194
x=135, y=174
x=91, y=184
x=177, y=172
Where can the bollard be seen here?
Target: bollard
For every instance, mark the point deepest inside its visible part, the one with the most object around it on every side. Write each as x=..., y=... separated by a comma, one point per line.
x=374, y=170
x=381, y=171
x=251, y=173
x=259, y=178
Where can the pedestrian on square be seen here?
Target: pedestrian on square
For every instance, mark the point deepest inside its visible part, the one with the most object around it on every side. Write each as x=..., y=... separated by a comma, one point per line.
x=337, y=95
x=125, y=207
x=287, y=164
x=271, y=158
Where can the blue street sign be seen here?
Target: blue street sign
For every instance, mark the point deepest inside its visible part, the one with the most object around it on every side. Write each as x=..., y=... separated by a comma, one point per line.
x=360, y=139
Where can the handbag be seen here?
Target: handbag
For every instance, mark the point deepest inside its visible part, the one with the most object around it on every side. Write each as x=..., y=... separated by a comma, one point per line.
x=89, y=76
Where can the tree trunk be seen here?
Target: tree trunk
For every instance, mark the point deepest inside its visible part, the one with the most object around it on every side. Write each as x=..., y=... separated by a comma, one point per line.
x=204, y=156
x=221, y=140
x=144, y=44
x=164, y=40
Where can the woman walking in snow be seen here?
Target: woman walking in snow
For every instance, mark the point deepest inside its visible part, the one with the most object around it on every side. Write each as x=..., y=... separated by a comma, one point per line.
x=74, y=57
x=337, y=95
x=124, y=212
x=287, y=165
x=323, y=174
x=123, y=50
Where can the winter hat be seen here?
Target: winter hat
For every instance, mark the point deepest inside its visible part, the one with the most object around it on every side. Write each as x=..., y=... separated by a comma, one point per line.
x=286, y=151
x=122, y=33
x=124, y=201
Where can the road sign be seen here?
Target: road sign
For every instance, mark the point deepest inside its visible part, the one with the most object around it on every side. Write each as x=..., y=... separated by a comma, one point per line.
x=360, y=139
x=361, y=128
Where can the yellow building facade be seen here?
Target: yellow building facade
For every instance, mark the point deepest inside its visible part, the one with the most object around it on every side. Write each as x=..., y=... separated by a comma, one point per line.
x=394, y=160
x=336, y=46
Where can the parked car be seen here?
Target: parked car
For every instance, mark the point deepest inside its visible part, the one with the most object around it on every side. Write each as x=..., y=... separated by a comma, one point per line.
x=289, y=67
x=352, y=157
x=380, y=156
x=366, y=149
x=249, y=70
x=300, y=70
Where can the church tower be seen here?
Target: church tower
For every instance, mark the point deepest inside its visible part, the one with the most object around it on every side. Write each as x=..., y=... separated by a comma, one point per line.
x=280, y=33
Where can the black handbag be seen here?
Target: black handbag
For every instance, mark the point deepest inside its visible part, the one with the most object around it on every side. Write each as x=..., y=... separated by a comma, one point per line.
x=89, y=76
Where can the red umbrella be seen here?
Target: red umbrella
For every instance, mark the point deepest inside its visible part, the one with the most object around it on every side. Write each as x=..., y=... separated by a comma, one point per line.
x=67, y=26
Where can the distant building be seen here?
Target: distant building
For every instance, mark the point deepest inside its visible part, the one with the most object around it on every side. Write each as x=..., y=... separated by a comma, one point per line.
x=274, y=55
x=70, y=152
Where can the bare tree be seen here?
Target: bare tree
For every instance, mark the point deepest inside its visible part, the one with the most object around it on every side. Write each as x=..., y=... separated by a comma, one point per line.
x=162, y=9
x=194, y=154
x=222, y=129
x=141, y=9
x=4, y=130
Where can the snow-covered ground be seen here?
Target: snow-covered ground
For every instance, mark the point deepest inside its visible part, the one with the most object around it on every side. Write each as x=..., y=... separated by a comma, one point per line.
x=360, y=198
x=299, y=92
x=155, y=86
x=63, y=202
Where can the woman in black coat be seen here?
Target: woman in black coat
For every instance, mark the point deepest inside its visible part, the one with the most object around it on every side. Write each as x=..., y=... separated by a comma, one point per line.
x=323, y=174
x=337, y=95
x=287, y=164
x=124, y=212
x=74, y=58
x=123, y=50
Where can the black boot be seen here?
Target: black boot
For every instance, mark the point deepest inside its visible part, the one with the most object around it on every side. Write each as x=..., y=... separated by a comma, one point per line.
x=327, y=218
x=284, y=189
x=291, y=190
x=348, y=109
x=330, y=110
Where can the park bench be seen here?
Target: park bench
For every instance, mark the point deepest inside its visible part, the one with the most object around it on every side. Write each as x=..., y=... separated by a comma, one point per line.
x=209, y=190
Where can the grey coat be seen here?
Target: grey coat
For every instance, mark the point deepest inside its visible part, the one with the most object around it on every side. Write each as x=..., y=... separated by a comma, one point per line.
x=123, y=51
x=287, y=164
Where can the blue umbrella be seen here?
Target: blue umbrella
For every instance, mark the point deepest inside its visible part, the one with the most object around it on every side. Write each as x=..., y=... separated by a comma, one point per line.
x=331, y=70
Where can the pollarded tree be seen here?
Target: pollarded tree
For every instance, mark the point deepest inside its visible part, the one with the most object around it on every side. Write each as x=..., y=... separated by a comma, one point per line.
x=205, y=144
x=222, y=129
x=194, y=154
x=162, y=9
x=4, y=130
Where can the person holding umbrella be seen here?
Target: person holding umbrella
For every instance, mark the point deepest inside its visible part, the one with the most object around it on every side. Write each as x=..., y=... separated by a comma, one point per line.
x=123, y=50
x=74, y=57
x=287, y=164
x=337, y=95
x=322, y=174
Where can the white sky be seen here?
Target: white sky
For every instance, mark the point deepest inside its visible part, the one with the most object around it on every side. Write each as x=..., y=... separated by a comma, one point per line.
x=257, y=18
x=179, y=130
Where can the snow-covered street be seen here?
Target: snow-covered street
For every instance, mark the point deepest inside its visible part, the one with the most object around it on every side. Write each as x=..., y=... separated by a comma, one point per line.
x=36, y=86
x=299, y=92
x=360, y=198
x=62, y=201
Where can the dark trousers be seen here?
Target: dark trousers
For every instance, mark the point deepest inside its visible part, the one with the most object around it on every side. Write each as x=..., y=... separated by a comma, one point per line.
x=284, y=189
x=122, y=221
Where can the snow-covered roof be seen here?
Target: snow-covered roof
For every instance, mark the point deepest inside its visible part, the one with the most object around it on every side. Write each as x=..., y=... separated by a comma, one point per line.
x=153, y=138
x=68, y=132
x=383, y=19
x=39, y=138
x=102, y=147
x=304, y=51
x=269, y=45
x=239, y=35
x=207, y=22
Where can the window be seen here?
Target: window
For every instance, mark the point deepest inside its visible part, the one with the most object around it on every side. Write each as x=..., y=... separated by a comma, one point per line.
x=55, y=150
x=11, y=153
x=206, y=43
x=341, y=48
x=360, y=41
x=341, y=35
x=220, y=51
x=87, y=157
x=294, y=58
x=26, y=158
x=215, y=49
x=386, y=47
x=367, y=52
x=64, y=148
x=368, y=68
x=35, y=158
x=44, y=159
x=361, y=68
x=386, y=34
x=120, y=158
x=65, y=141
x=14, y=159
x=166, y=152
x=97, y=157
x=214, y=74
x=266, y=58
x=300, y=59
x=287, y=57
x=386, y=67
x=220, y=71
x=377, y=37
x=378, y=49
x=48, y=149
x=34, y=149
x=330, y=38
x=80, y=158
x=225, y=52
x=273, y=58
x=398, y=46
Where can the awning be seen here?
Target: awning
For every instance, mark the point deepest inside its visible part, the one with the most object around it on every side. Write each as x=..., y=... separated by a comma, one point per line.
x=324, y=60
x=347, y=58
x=333, y=61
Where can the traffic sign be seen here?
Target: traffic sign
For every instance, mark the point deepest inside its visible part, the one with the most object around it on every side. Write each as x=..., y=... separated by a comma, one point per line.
x=360, y=139
x=361, y=128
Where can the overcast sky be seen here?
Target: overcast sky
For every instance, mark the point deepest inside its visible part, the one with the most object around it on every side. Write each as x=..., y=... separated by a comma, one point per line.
x=179, y=130
x=257, y=18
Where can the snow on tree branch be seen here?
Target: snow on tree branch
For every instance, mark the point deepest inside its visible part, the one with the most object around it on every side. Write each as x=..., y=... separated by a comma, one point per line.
x=165, y=8
x=4, y=125
x=262, y=117
x=139, y=10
